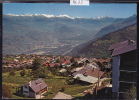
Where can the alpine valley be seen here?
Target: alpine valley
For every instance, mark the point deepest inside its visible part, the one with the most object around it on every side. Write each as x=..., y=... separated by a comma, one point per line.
x=63, y=35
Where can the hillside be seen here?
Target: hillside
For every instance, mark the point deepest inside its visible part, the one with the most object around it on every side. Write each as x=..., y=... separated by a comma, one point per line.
x=99, y=47
x=118, y=24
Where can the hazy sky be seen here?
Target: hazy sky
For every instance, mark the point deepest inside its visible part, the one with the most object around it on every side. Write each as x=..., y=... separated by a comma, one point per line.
x=93, y=10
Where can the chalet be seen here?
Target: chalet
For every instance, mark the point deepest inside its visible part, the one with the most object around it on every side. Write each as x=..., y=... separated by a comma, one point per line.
x=123, y=67
x=88, y=74
x=33, y=89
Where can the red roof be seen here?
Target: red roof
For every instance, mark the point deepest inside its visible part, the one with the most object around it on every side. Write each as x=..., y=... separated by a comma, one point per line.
x=10, y=64
x=108, y=60
x=103, y=60
x=65, y=62
x=45, y=64
x=52, y=65
x=57, y=64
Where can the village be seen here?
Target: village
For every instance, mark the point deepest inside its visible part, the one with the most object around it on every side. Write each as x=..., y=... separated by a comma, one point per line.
x=55, y=77
x=67, y=77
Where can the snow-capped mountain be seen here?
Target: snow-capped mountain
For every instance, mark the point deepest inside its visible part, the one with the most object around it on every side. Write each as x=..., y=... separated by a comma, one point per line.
x=55, y=16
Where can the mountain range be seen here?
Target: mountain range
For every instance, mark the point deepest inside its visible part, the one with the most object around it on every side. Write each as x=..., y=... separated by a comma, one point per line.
x=117, y=25
x=57, y=35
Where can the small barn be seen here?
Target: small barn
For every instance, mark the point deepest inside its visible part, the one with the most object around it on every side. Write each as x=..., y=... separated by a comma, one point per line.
x=124, y=67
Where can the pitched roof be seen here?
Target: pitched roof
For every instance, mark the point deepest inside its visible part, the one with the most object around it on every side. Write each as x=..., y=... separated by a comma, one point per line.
x=88, y=68
x=88, y=79
x=82, y=71
x=58, y=64
x=37, y=85
x=123, y=47
x=61, y=95
x=103, y=60
x=51, y=64
x=91, y=65
x=77, y=69
x=65, y=62
x=116, y=45
x=85, y=69
x=94, y=73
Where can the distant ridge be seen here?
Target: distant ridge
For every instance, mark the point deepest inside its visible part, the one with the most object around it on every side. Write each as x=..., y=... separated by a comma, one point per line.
x=58, y=16
x=99, y=47
x=118, y=24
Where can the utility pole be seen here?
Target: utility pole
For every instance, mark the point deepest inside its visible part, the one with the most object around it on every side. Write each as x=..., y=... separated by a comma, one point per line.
x=40, y=90
x=96, y=88
x=98, y=78
x=97, y=85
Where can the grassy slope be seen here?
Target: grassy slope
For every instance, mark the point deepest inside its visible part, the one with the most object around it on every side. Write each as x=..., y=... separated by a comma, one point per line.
x=54, y=85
